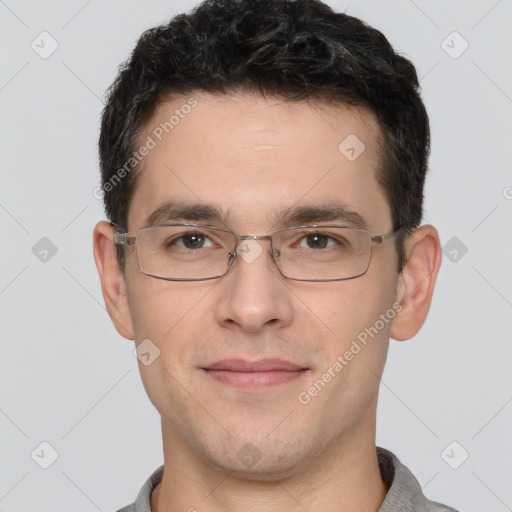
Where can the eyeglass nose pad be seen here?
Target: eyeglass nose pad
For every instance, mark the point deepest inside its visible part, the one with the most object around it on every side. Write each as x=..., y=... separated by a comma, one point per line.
x=277, y=253
x=231, y=257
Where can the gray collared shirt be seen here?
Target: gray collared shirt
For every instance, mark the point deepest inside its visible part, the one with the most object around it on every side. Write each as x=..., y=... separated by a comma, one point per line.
x=404, y=495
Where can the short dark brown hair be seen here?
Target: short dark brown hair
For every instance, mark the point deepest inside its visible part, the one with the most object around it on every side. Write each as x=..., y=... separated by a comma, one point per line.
x=290, y=49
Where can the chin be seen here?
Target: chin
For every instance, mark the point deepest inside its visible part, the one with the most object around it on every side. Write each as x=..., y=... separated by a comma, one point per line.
x=260, y=460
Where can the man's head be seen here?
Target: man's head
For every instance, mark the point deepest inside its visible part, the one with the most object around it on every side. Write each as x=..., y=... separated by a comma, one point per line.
x=251, y=109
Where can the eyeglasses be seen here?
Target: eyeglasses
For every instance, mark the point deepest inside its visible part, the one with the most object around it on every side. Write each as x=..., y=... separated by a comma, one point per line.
x=195, y=252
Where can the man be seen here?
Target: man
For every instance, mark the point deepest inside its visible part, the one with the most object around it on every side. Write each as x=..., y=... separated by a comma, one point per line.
x=263, y=164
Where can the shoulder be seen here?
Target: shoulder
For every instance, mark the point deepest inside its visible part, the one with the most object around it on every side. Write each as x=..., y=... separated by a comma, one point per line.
x=143, y=501
x=128, y=508
x=433, y=506
x=405, y=493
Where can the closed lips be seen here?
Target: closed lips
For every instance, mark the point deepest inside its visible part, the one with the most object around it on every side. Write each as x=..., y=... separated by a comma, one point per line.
x=263, y=365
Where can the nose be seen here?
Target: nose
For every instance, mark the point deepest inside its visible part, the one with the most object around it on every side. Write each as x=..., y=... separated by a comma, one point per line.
x=253, y=295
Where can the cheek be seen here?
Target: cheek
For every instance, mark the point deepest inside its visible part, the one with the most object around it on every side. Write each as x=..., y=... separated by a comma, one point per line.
x=159, y=308
x=169, y=315
x=348, y=307
x=355, y=330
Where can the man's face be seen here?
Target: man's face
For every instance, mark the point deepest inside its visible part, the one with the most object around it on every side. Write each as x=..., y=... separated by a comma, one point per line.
x=253, y=159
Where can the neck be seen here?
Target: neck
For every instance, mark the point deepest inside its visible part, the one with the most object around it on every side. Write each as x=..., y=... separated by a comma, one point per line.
x=343, y=478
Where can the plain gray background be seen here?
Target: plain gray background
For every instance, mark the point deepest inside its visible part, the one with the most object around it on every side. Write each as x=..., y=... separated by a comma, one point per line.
x=68, y=379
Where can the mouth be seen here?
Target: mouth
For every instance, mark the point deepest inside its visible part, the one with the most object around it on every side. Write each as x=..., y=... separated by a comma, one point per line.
x=254, y=375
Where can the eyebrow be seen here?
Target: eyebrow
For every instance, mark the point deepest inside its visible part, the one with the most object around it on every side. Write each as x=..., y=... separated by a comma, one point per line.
x=179, y=211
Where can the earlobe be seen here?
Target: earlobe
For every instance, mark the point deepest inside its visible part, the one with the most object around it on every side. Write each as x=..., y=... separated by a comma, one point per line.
x=417, y=281
x=113, y=284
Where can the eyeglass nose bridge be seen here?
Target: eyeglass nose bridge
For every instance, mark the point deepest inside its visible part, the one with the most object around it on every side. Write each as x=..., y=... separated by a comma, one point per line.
x=233, y=254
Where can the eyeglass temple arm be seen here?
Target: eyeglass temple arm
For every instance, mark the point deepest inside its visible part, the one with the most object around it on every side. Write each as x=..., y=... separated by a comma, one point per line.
x=380, y=239
x=122, y=238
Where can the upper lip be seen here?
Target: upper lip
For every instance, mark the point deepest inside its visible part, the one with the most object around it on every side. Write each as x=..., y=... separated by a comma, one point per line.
x=262, y=365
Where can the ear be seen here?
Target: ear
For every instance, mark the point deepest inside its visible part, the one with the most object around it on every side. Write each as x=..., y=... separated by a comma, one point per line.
x=112, y=279
x=416, y=282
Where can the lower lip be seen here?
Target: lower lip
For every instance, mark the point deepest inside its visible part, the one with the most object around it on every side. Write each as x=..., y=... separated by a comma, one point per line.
x=255, y=380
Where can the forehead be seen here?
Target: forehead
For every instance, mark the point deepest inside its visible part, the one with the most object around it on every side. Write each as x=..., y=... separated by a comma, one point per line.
x=253, y=157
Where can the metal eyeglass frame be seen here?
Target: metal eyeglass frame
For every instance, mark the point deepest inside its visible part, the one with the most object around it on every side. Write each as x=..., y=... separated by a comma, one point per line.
x=130, y=239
